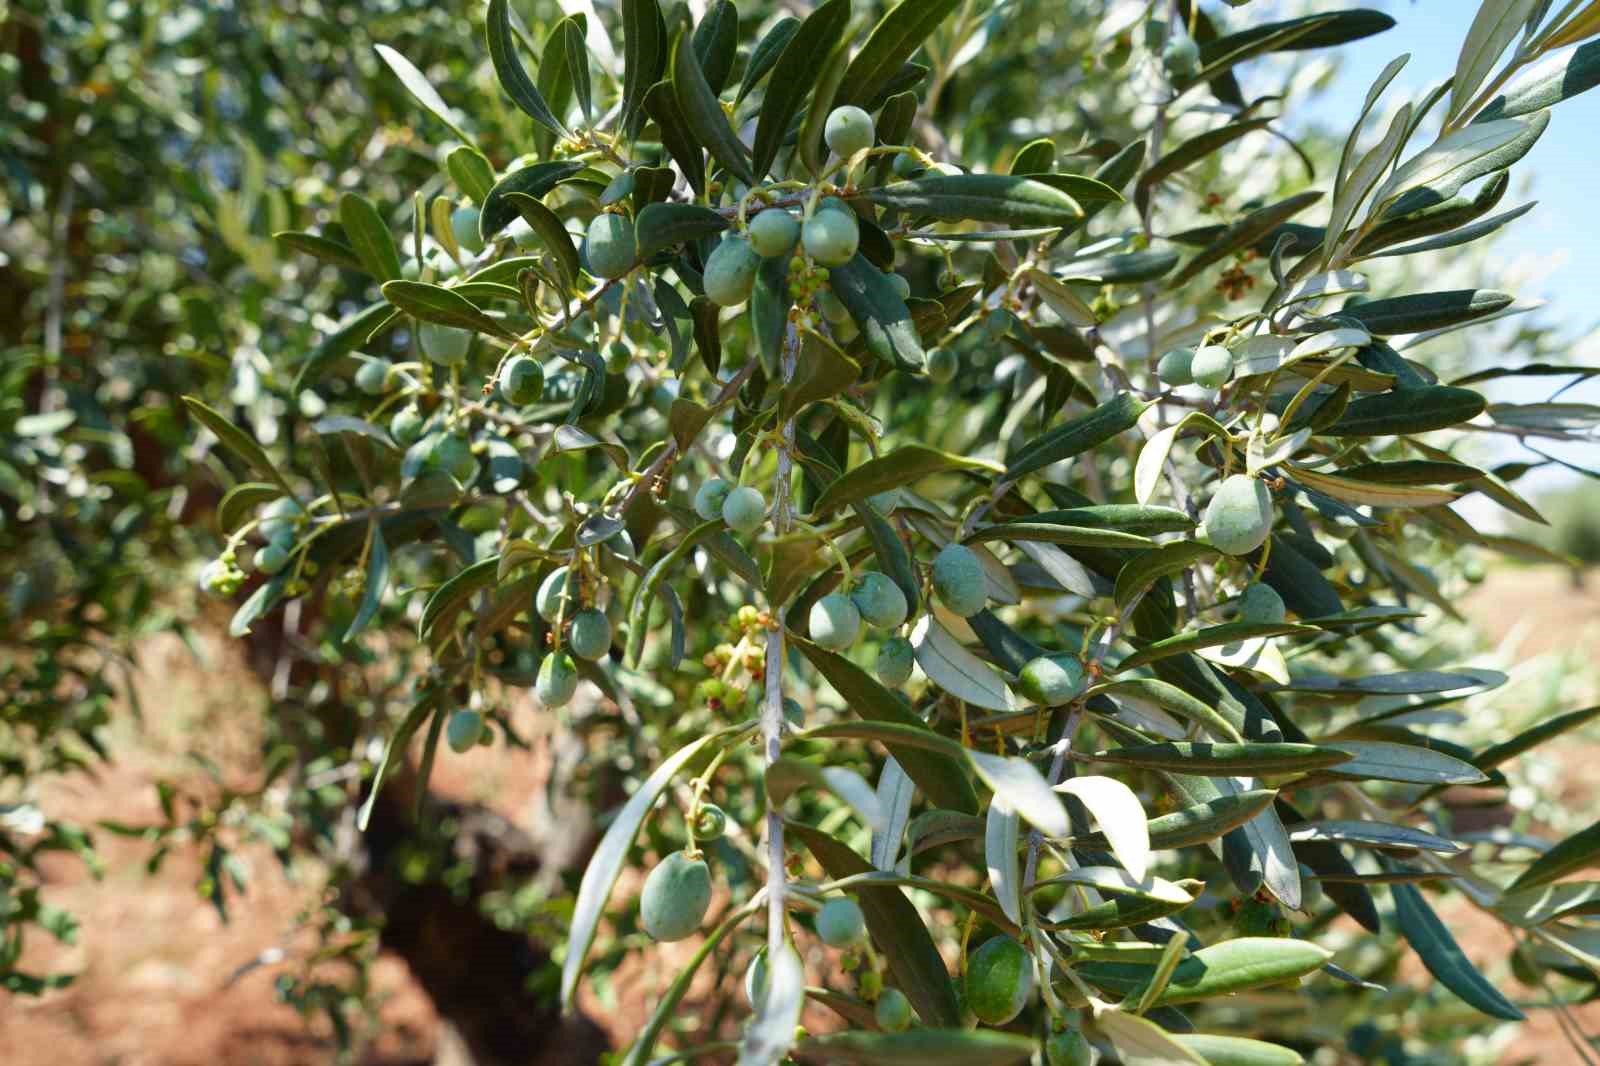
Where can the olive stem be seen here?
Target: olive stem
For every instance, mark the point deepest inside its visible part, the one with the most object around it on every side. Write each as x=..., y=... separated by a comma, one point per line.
x=772, y=709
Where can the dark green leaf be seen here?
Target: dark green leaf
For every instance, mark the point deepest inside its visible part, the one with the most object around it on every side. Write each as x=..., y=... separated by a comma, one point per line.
x=1244, y=233
x=1425, y=311
x=765, y=54
x=471, y=172
x=547, y=226
x=1002, y=198
x=716, y=41
x=1238, y=966
x=398, y=742
x=417, y=85
x=1212, y=760
x=676, y=135
x=1444, y=958
x=434, y=303
x=897, y=35
x=1211, y=637
x=1415, y=410
x=903, y=466
x=1148, y=567
x=508, y=68
x=897, y=931
x=644, y=51
x=377, y=581
x=1529, y=739
x=1190, y=152
x=235, y=440
x=795, y=72
x=703, y=113
x=534, y=181
x=660, y=226
x=1559, y=77
x=877, y=307
x=1578, y=852
x=369, y=236
x=329, y=251
x=920, y=1047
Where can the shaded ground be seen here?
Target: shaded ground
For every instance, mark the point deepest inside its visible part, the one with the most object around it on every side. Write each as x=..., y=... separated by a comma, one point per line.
x=155, y=960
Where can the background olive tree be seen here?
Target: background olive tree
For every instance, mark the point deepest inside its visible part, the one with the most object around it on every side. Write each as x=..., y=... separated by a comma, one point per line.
x=1077, y=385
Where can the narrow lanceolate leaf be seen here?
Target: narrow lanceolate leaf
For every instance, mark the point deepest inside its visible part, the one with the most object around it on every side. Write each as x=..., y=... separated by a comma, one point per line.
x=1578, y=852
x=1189, y=153
x=508, y=68
x=1148, y=567
x=1019, y=787
x=940, y=774
x=793, y=76
x=1238, y=1050
x=903, y=466
x=1059, y=297
x=536, y=180
x=1545, y=903
x=1425, y=311
x=1153, y=456
x=1558, y=77
x=1120, y=815
x=552, y=233
x=1373, y=835
x=881, y=312
x=920, y=1047
x=1388, y=761
x=1120, y=912
x=399, y=740
x=765, y=55
x=897, y=931
x=1417, y=410
x=1141, y=1042
x=892, y=41
x=1531, y=738
x=575, y=56
x=235, y=440
x=434, y=303
x=1115, y=881
x=662, y=225
x=896, y=791
x=1438, y=172
x=1141, y=691
x=1443, y=957
x=417, y=85
x=1001, y=198
x=704, y=113
x=1211, y=637
x=1207, y=760
x=771, y=1032
x=1244, y=233
x=313, y=244
x=1001, y=833
x=369, y=236
x=1078, y=435
x=1205, y=822
x=449, y=598
x=958, y=671
x=1238, y=966
x=644, y=51
x=1495, y=26
x=1374, y=494
x=601, y=875
x=786, y=776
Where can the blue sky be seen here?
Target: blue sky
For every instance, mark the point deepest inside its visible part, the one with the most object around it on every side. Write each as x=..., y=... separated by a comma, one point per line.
x=1555, y=249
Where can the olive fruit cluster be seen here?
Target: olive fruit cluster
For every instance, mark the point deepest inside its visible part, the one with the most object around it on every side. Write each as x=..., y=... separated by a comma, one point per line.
x=1209, y=366
x=836, y=618
x=742, y=507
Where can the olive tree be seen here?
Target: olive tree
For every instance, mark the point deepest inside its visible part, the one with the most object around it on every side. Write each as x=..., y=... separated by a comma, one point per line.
x=1006, y=602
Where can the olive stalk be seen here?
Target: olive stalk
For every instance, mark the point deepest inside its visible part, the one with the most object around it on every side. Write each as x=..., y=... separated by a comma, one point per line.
x=772, y=708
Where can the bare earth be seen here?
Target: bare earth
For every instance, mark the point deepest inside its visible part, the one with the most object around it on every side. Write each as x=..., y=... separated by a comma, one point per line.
x=155, y=961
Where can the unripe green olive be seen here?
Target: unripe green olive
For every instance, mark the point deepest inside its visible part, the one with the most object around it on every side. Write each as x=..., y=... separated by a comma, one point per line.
x=521, y=381
x=896, y=657
x=906, y=165
x=1239, y=516
x=892, y=1011
x=1260, y=918
x=591, y=634
x=463, y=730
x=411, y=269
x=372, y=376
x=773, y=233
x=557, y=680
x=1260, y=604
x=1052, y=680
x=464, y=224
x=548, y=600
x=1068, y=1048
x=835, y=623
x=279, y=518
x=406, y=426
x=848, y=131
x=709, y=497
x=675, y=897
x=272, y=558
x=452, y=453
x=1212, y=366
x=958, y=580
x=840, y=923
x=943, y=364
x=880, y=600
x=710, y=822
x=901, y=287
x=731, y=272
x=831, y=237
x=445, y=345
x=1177, y=367
x=744, y=509
x=1181, y=57
x=610, y=245
x=999, y=980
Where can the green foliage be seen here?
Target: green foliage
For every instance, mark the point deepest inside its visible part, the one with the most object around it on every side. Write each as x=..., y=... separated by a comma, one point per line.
x=965, y=381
